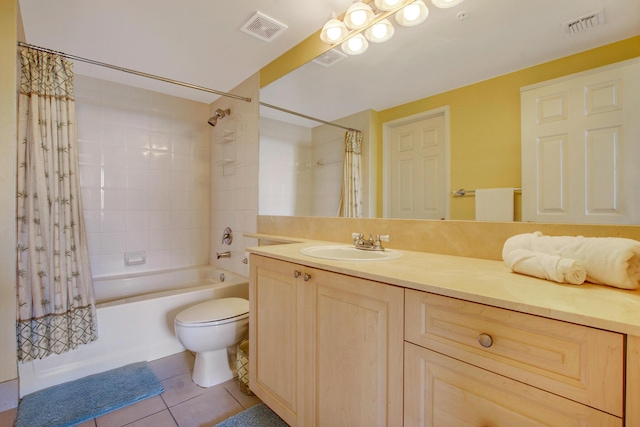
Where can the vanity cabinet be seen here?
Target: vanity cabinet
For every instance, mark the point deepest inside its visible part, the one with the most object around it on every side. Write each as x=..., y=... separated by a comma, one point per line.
x=326, y=348
x=467, y=364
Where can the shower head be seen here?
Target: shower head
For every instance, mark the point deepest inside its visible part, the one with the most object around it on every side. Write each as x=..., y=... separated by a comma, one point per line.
x=218, y=114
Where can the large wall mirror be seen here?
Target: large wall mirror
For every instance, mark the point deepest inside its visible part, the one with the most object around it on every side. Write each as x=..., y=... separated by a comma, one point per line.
x=466, y=63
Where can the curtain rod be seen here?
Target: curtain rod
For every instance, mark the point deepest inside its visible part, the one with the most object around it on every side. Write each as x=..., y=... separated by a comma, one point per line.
x=176, y=82
x=284, y=110
x=138, y=73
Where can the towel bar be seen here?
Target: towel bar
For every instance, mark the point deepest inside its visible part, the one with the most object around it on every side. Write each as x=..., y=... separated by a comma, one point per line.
x=462, y=192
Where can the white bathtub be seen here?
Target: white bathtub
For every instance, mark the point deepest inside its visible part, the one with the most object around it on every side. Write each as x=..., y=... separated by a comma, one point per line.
x=135, y=322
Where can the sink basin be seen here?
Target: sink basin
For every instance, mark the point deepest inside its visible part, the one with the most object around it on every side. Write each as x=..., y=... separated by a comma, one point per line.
x=349, y=253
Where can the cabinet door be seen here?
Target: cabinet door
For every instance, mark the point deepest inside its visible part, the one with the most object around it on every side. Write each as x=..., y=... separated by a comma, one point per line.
x=274, y=331
x=354, y=351
x=443, y=392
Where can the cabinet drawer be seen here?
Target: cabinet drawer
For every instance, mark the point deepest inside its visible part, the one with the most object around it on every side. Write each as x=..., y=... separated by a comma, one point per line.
x=442, y=391
x=580, y=363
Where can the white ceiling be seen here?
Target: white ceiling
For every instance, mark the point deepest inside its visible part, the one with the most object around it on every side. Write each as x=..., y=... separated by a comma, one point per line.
x=200, y=42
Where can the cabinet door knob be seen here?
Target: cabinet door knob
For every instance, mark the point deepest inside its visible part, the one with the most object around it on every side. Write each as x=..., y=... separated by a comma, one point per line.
x=296, y=273
x=485, y=340
x=306, y=277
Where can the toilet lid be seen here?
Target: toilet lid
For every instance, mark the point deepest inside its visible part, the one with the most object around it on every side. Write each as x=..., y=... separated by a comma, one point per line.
x=214, y=310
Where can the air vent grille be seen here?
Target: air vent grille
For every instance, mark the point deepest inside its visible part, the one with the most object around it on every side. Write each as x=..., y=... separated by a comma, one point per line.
x=329, y=58
x=584, y=23
x=263, y=27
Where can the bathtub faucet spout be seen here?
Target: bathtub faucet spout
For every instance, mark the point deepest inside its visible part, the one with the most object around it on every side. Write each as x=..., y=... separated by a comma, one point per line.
x=226, y=254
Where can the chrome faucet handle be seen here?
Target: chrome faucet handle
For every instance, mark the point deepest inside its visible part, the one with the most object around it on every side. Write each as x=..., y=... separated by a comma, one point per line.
x=227, y=236
x=383, y=238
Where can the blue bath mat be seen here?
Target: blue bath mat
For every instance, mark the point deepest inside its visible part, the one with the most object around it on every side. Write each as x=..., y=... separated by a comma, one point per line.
x=74, y=402
x=257, y=416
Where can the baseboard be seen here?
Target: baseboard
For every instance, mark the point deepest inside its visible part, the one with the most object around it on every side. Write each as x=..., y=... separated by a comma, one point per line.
x=8, y=395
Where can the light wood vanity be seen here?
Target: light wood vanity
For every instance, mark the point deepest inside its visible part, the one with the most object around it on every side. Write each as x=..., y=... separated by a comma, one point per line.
x=438, y=340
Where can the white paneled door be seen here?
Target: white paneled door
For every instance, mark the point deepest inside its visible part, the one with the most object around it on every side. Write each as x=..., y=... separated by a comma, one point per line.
x=416, y=180
x=581, y=147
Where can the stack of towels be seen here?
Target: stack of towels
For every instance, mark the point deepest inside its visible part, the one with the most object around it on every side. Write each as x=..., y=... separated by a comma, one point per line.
x=609, y=261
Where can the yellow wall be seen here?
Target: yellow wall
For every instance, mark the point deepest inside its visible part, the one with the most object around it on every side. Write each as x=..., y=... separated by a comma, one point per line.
x=9, y=30
x=485, y=122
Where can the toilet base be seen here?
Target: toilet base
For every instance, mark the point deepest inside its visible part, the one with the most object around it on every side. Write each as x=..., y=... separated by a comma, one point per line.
x=212, y=368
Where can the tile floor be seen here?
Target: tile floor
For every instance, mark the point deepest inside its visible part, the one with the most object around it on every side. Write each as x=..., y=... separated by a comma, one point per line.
x=183, y=403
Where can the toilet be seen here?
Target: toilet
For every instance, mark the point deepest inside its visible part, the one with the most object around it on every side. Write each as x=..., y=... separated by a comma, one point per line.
x=208, y=329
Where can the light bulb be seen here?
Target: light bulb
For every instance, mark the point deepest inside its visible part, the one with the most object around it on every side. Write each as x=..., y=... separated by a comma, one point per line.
x=388, y=4
x=355, y=44
x=334, y=34
x=333, y=31
x=446, y=3
x=411, y=12
x=379, y=31
x=358, y=17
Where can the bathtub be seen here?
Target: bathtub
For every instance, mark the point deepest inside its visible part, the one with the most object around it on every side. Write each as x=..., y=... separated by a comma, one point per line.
x=135, y=322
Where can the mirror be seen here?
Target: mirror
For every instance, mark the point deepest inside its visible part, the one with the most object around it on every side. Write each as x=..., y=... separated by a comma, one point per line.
x=449, y=60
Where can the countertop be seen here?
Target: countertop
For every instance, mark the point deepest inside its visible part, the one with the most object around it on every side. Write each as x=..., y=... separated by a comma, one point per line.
x=483, y=281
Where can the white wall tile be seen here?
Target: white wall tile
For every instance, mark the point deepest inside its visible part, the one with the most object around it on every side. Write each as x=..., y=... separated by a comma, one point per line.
x=114, y=177
x=113, y=243
x=90, y=176
x=114, y=221
x=113, y=155
x=145, y=176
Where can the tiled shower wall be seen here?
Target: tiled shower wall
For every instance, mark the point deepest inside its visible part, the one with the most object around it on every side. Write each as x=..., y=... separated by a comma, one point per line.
x=234, y=176
x=145, y=176
x=285, y=169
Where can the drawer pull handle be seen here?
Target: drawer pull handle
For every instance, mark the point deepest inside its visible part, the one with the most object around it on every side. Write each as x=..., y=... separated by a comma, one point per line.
x=296, y=273
x=306, y=277
x=485, y=340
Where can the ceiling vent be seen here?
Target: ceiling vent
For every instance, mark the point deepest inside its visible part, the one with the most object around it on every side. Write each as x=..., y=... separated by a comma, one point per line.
x=584, y=23
x=263, y=27
x=329, y=58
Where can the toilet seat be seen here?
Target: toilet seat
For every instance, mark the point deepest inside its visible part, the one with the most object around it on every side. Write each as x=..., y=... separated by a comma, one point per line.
x=214, y=312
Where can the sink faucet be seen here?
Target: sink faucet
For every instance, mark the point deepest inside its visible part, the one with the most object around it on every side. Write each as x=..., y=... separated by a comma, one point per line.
x=369, y=244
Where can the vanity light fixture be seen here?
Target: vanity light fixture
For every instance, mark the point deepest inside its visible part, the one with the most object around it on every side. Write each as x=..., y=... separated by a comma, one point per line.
x=361, y=19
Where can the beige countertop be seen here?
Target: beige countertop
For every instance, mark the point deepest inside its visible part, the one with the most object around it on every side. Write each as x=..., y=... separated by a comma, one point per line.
x=483, y=281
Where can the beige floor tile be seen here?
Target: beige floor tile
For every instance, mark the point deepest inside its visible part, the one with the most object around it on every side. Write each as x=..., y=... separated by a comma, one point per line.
x=132, y=413
x=173, y=365
x=180, y=388
x=246, y=401
x=207, y=409
x=8, y=417
x=90, y=423
x=160, y=419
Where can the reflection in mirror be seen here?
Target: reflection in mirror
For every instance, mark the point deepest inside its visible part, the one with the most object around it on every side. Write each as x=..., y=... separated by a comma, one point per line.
x=445, y=61
x=301, y=167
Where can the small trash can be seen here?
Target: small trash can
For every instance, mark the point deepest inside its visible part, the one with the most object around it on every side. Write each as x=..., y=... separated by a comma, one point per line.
x=242, y=365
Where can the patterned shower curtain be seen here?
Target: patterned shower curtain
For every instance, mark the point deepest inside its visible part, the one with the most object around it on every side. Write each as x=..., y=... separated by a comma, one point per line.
x=351, y=194
x=56, y=306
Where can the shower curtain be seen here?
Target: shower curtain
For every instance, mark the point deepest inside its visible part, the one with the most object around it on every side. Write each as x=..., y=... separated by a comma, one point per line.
x=351, y=194
x=56, y=306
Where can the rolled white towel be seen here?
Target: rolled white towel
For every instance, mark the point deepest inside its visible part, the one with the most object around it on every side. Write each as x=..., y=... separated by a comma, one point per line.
x=545, y=266
x=609, y=261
